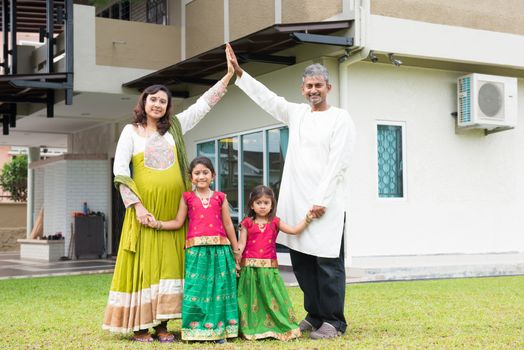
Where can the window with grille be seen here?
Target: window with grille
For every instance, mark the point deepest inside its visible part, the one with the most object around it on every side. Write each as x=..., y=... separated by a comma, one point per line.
x=118, y=10
x=156, y=11
x=390, y=160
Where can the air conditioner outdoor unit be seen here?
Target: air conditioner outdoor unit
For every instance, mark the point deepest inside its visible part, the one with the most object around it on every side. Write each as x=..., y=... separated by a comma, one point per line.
x=486, y=101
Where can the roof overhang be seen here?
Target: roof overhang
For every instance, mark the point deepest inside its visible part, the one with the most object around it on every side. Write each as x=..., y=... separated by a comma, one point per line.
x=259, y=46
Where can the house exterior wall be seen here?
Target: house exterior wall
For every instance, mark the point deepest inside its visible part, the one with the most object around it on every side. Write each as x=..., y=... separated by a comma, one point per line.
x=13, y=214
x=67, y=184
x=99, y=140
x=122, y=44
x=463, y=193
x=246, y=17
x=93, y=77
x=204, y=26
x=429, y=41
x=494, y=15
x=294, y=11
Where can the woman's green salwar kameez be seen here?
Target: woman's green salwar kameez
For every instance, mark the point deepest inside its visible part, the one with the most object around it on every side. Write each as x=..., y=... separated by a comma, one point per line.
x=147, y=284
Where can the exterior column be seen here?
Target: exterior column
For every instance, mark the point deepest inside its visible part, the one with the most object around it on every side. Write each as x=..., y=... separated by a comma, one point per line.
x=33, y=154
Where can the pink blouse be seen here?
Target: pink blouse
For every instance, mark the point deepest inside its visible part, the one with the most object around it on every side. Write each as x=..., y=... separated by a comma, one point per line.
x=260, y=250
x=205, y=224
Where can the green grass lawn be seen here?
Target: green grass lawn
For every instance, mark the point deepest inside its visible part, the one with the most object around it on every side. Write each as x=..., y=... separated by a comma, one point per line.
x=476, y=313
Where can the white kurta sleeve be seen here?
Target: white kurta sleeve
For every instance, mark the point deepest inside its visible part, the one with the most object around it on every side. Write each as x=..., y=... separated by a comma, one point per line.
x=124, y=152
x=277, y=106
x=340, y=148
x=194, y=113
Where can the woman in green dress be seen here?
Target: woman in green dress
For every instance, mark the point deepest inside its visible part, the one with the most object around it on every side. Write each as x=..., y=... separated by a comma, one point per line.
x=147, y=285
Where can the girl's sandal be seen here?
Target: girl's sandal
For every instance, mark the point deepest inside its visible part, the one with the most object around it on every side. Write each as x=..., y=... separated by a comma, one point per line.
x=164, y=336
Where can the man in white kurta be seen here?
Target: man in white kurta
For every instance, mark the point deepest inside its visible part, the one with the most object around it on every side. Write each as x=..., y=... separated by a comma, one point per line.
x=321, y=138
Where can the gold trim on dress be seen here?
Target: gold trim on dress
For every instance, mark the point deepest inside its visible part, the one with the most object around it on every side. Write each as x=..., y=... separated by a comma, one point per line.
x=207, y=240
x=291, y=334
x=254, y=262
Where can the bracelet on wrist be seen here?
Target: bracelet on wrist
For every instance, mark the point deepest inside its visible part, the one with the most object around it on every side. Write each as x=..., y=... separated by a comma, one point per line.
x=308, y=219
x=159, y=225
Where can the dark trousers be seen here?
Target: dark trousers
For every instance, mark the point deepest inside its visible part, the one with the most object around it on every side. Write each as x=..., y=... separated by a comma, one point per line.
x=323, y=281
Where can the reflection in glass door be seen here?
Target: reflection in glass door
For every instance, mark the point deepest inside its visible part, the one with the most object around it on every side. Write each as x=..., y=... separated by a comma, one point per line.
x=277, y=140
x=252, y=164
x=227, y=172
x=207, y=149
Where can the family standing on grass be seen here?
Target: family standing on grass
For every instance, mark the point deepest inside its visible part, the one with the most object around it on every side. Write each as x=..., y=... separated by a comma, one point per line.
x=179, y=256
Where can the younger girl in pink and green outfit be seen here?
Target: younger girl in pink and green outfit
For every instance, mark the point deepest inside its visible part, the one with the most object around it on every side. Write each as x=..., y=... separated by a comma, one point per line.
x=264, y=305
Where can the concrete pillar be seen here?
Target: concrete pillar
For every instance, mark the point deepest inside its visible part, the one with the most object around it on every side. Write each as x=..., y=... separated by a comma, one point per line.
x=33, y=154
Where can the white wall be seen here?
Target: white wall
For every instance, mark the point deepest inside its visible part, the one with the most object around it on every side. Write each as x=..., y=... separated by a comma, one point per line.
x=92, y=77
x=463, y=190
x=67, y=185
x=445, y=42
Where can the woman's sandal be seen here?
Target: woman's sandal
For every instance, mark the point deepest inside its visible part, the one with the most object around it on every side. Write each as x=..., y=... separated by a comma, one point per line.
x=164, y=336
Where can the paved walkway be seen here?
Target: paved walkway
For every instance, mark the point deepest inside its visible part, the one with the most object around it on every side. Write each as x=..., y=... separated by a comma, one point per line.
x=12, y=267
x=363, y=269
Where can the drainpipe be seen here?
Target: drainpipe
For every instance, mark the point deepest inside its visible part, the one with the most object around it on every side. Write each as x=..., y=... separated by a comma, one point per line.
x=343, y=80
x=361, y=13
x=33, y=154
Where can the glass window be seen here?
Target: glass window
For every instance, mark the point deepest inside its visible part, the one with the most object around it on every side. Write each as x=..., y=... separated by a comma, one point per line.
x=228, y=173
x=115, y=11
x=156, y=11
x=125, y=11
x=207, y=149
x=118, y=10
x=277, y=140
x=390, y=161
x=261, y=155
x=252, y=164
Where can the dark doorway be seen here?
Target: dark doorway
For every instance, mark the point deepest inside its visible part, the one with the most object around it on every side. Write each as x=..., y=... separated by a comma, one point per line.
x=119, y=210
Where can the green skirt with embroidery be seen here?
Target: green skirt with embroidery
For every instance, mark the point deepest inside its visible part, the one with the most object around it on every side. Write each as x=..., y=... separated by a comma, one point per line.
x=209, y=307
x=264, y=305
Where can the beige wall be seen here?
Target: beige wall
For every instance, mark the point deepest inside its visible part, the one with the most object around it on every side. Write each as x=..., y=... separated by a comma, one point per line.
x=246, y=17
x=135, y=44
x=495, y=15
x=204, y=26
x=309, y=10
x=9, y=237
x=13, y=215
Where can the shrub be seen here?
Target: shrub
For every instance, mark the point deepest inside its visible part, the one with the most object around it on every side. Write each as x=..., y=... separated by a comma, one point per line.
x=14, y=178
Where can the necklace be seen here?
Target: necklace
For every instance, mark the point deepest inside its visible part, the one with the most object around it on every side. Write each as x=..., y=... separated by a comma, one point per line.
x=261, y=226
x=204, y=200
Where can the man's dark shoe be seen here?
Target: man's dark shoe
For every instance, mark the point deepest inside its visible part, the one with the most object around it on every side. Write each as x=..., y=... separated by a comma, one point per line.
x=305, y=326
x=326, y=331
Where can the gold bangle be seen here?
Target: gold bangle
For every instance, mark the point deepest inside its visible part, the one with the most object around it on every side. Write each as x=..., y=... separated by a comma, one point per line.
x=159, y=225
x=308, y=219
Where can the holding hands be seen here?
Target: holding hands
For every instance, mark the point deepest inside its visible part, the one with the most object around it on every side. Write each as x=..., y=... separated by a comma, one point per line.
x=143, y=216
x=317, y=211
